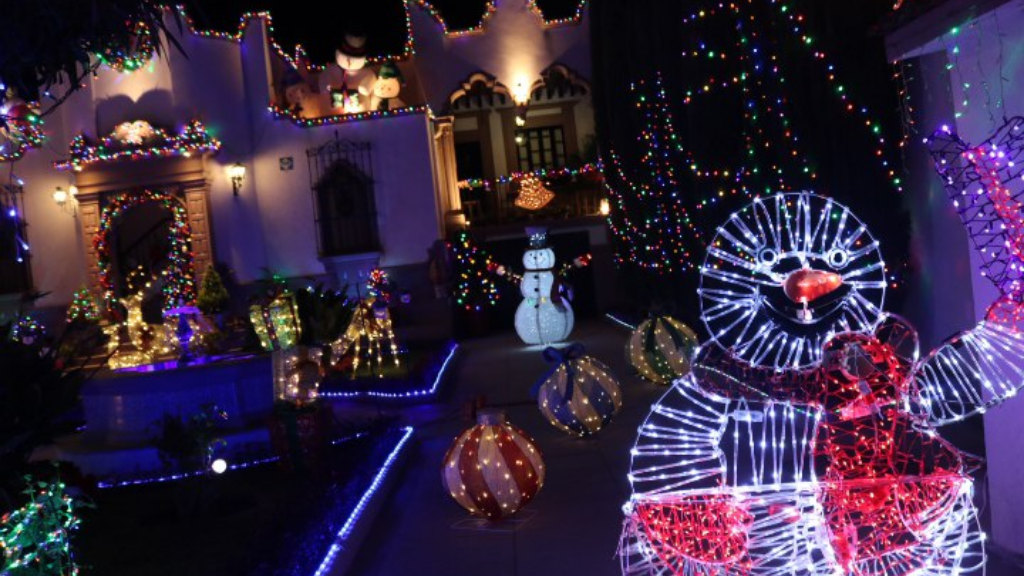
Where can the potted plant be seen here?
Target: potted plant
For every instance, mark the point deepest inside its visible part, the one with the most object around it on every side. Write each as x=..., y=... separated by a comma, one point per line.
x=213, y=297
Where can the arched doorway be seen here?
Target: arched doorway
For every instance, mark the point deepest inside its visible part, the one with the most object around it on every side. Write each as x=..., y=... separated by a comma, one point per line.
x=149, y=231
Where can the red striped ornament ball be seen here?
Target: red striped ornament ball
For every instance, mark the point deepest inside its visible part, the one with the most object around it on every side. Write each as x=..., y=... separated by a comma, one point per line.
x=493, y=469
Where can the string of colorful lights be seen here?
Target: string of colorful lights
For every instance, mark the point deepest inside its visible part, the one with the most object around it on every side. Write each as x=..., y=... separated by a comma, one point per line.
x=545, y=173
x=284, y=113
x=128, y=59
x=656, y=201
x=36, y=538
x=490, y=9
x=192, y=139
x=21, y=127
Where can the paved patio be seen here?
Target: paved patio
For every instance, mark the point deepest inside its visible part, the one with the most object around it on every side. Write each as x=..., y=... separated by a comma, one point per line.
x=572, y=527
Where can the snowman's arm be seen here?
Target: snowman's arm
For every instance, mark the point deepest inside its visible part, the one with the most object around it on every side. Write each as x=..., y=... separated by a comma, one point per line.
x=969, y=373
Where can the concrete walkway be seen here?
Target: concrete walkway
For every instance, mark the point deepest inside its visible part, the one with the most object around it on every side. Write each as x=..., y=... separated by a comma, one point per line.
x=571, y=529
x=573, y=525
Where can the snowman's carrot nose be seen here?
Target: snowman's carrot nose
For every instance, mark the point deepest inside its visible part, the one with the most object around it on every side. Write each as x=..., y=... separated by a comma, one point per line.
x=807, y=285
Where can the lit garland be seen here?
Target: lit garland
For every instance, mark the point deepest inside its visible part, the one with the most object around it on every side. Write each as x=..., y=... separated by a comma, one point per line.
x=179, y=277
x=127, y=59
x=21, y=128
x=299, y=59
x=83, y=307
x=36, y=538
x=193, y=139
x=284, y=113
x=544, y=173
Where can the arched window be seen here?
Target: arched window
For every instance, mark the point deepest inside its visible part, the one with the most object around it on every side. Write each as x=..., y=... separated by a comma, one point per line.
x=342, y=182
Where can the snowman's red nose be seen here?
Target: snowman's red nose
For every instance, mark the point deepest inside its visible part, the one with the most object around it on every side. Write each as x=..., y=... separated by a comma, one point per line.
x=807, y=285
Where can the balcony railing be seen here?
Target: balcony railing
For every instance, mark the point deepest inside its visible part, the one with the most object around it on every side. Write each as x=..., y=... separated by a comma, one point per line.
x=492, y=204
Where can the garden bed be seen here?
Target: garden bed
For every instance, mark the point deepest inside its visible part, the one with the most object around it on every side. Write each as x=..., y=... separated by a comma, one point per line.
x=258, y=521
x=419, y=376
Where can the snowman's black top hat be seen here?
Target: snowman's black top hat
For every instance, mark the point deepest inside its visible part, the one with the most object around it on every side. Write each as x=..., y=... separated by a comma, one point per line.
x=538, y=236
x=353, y=45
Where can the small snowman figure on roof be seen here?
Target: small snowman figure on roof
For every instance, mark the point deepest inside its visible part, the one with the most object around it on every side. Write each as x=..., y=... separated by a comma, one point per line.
x=296, y=91
x=387, y=87
x=351, y=82
x=545, y=315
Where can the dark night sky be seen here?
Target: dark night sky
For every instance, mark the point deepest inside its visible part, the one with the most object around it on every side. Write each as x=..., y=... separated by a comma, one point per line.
x=318, y=27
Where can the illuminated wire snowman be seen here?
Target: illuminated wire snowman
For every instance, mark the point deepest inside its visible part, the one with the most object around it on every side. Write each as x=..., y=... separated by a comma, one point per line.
x=819, y=457
x=787, y=272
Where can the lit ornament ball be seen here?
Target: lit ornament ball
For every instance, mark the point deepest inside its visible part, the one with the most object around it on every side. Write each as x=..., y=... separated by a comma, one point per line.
x=660, y=349
x=580, y=395
x=219, y=466
x=493, y=469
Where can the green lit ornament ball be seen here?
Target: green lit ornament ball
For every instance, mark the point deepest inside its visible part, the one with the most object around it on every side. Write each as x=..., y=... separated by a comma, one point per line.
x=660, y=349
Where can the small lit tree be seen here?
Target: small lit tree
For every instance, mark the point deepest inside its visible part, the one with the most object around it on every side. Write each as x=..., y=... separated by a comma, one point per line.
x=83, y=307
x=213, y=297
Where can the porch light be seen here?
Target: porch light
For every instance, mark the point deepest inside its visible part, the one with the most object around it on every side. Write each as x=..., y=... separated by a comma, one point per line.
x=236, y=172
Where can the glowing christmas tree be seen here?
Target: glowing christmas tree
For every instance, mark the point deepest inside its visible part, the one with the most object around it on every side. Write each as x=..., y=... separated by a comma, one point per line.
x=83, y=307
x=475, y=285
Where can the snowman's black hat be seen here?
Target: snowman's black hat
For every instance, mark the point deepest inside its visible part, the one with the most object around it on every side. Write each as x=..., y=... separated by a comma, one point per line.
x=538, y=236
x=353, y=44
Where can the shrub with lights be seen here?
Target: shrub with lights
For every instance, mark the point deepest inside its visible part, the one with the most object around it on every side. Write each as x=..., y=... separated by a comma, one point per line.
x=493, y=469
x=35, y=539
x=83, y=307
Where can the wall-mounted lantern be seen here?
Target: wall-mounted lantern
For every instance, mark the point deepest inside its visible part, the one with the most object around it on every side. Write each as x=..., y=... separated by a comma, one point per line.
x=61, y=197
x=236, y=172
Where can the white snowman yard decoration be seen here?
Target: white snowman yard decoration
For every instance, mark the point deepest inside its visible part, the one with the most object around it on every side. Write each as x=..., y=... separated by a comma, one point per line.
x=350, y=83
x=544, y=316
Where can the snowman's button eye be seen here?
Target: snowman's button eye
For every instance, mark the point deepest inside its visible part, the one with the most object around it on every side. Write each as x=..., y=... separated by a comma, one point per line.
x=837, y=258
x=767, y=257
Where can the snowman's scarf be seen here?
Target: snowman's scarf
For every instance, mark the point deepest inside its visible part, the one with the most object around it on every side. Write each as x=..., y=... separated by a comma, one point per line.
x=556, y=286
x=561, y=357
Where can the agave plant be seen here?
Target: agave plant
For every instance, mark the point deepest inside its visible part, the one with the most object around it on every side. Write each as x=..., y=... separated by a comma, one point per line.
x=324, y=314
